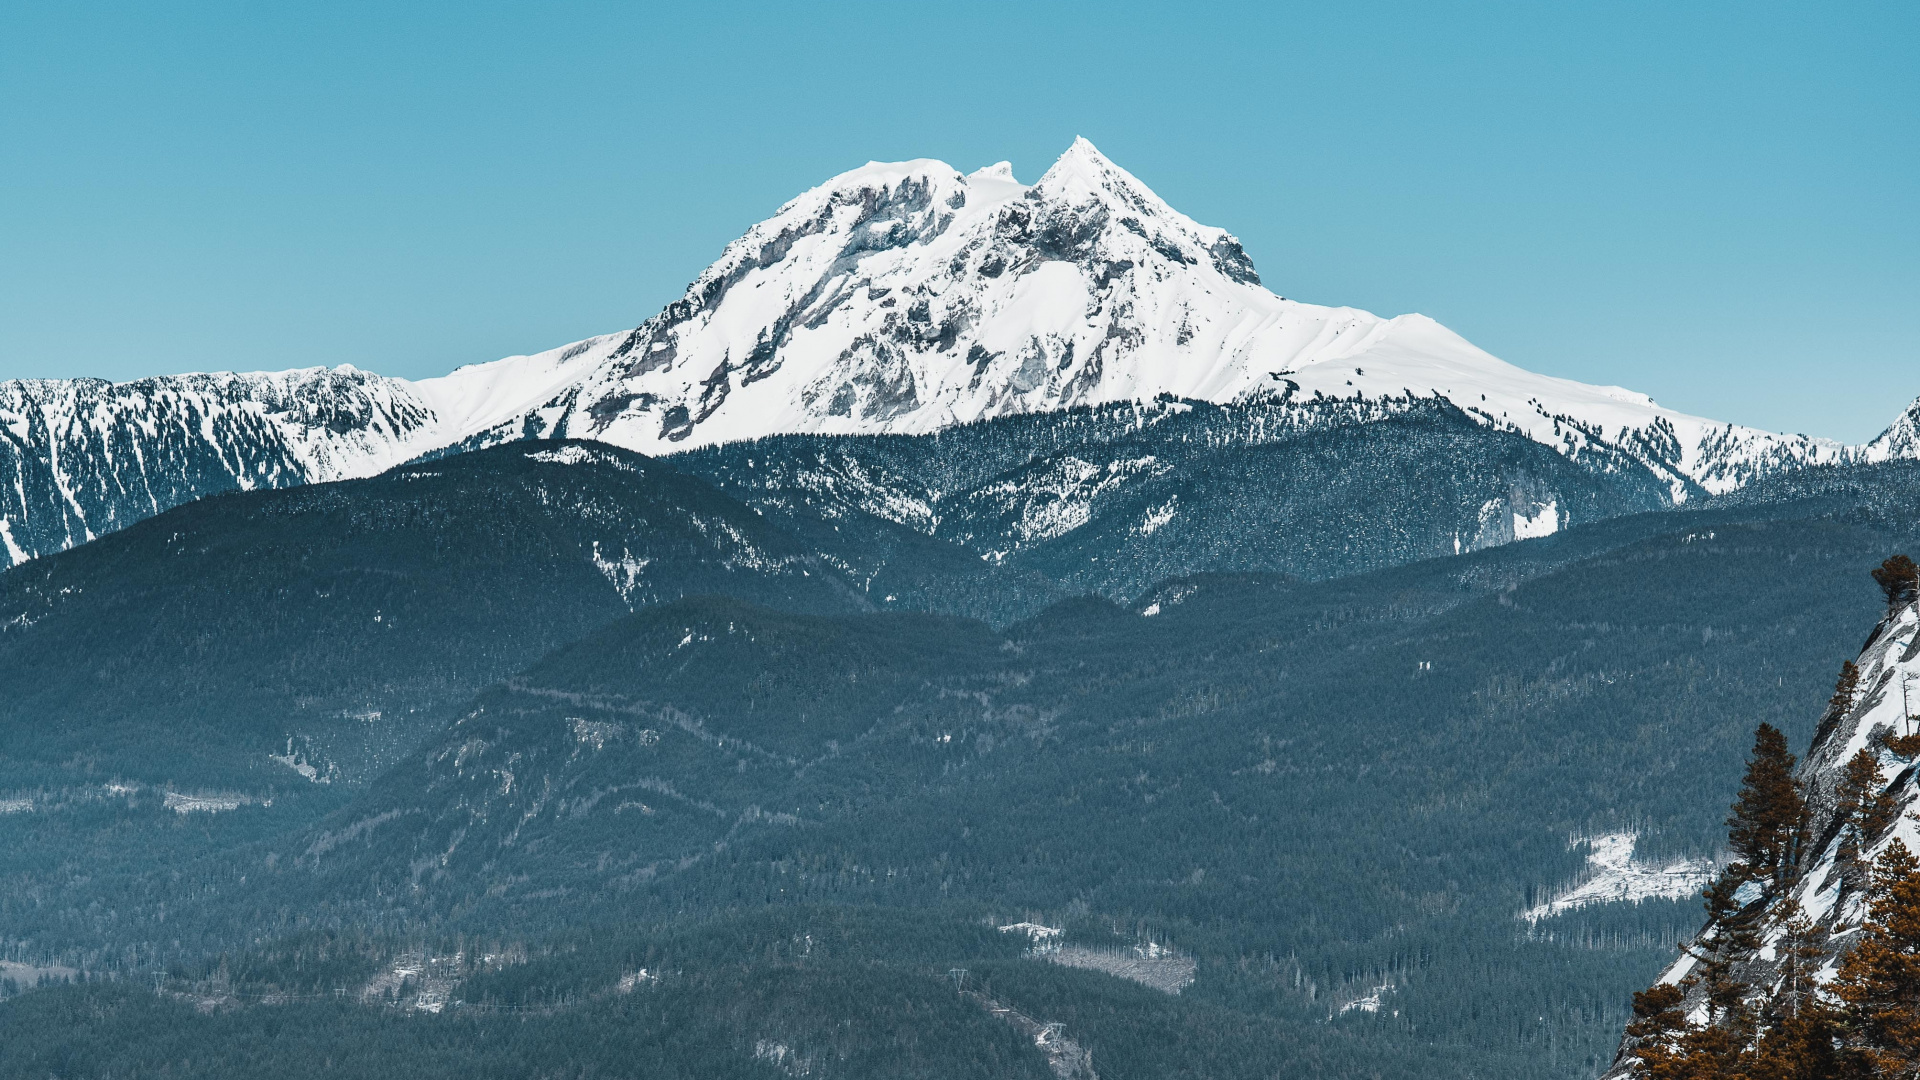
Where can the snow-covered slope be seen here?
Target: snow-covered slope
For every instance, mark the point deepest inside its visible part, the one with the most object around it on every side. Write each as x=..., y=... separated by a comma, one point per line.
x=908, y=297
x=1900, y=440
x=898, y=298
x=80, y=458
x=84, y=457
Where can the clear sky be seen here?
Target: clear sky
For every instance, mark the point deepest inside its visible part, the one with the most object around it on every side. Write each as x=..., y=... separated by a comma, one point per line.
x=1717, y=204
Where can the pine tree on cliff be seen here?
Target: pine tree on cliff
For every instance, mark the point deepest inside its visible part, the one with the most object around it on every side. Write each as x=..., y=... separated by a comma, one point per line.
x=1666, y=1047
x=1802, y=1039
x=1879, y=981
x=1765, y=833
x=1729, y=936
x=1800, y=956
x=1864, y=812
x=1658, y=1032
x=1769, y=818
x=1844, y=690
x=1809, y=1046
x=1899, y=579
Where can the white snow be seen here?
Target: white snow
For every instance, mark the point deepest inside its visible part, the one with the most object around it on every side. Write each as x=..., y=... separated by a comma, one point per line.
x=1544, y=521
x=594, y=733
x=303, y=768
x=1373, y=1002
x=574, y=454
x=625, y=573
x=1614, y=877
x=898, y=297
x=633, y=980
x=205, y=804
x=1046, y=329
x=1158, y=517
x=1034, y=931
x=15, y=553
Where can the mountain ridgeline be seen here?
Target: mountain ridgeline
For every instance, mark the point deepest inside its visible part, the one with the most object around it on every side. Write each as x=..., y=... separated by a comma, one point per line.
x=978, y=630
x=895, y=299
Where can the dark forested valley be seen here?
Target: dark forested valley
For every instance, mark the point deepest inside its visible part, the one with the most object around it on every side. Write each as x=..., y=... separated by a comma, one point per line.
x=551, y=759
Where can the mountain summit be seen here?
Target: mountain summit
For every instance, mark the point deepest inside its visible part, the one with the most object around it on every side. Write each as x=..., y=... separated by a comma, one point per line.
x=896, y=298
x=908, y=297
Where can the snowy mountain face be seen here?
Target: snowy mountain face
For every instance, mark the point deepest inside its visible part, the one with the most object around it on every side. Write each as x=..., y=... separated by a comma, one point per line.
x=897, y=298
x=909, y=297
x=82, y=458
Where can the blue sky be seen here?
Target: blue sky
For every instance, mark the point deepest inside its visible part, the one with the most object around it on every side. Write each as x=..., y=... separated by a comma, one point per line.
x=1717, y=204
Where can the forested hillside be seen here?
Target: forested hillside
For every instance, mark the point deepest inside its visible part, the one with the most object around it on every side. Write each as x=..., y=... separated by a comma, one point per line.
x=774, y=817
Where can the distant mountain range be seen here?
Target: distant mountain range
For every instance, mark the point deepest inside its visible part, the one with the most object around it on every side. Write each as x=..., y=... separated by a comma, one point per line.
x=901, y=299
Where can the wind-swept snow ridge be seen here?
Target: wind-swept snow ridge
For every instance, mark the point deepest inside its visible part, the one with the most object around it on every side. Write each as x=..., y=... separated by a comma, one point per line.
x=896, y=298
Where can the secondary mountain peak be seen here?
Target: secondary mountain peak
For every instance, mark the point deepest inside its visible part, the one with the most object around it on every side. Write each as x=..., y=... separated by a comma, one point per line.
x=999, y=170
x=1088, y=181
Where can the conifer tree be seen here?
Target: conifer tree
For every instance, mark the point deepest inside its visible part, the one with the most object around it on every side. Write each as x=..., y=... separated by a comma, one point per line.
x=1879, y=981
x=1899, y=579
x=1800, y=957
x=1844, y=688
x=1809, y=1046
x=1864, y=810
x=1769, y=818
x=1730, y=935
x=1802, y=1039
x=1658, y=1027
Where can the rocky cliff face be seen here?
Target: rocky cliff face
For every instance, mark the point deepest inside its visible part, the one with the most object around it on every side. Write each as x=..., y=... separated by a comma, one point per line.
x=1830, y=893
x=85, y=457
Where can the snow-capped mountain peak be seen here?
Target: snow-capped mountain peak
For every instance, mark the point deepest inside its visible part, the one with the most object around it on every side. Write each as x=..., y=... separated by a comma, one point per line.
x=1085, y=178
x=905, y=297
x=898, y=297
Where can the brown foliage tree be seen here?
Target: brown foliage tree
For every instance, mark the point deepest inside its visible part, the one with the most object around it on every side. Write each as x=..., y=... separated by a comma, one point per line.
x=1899, y=579
x=1844, y=688
x=1879, y=981
x=1769, y=818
